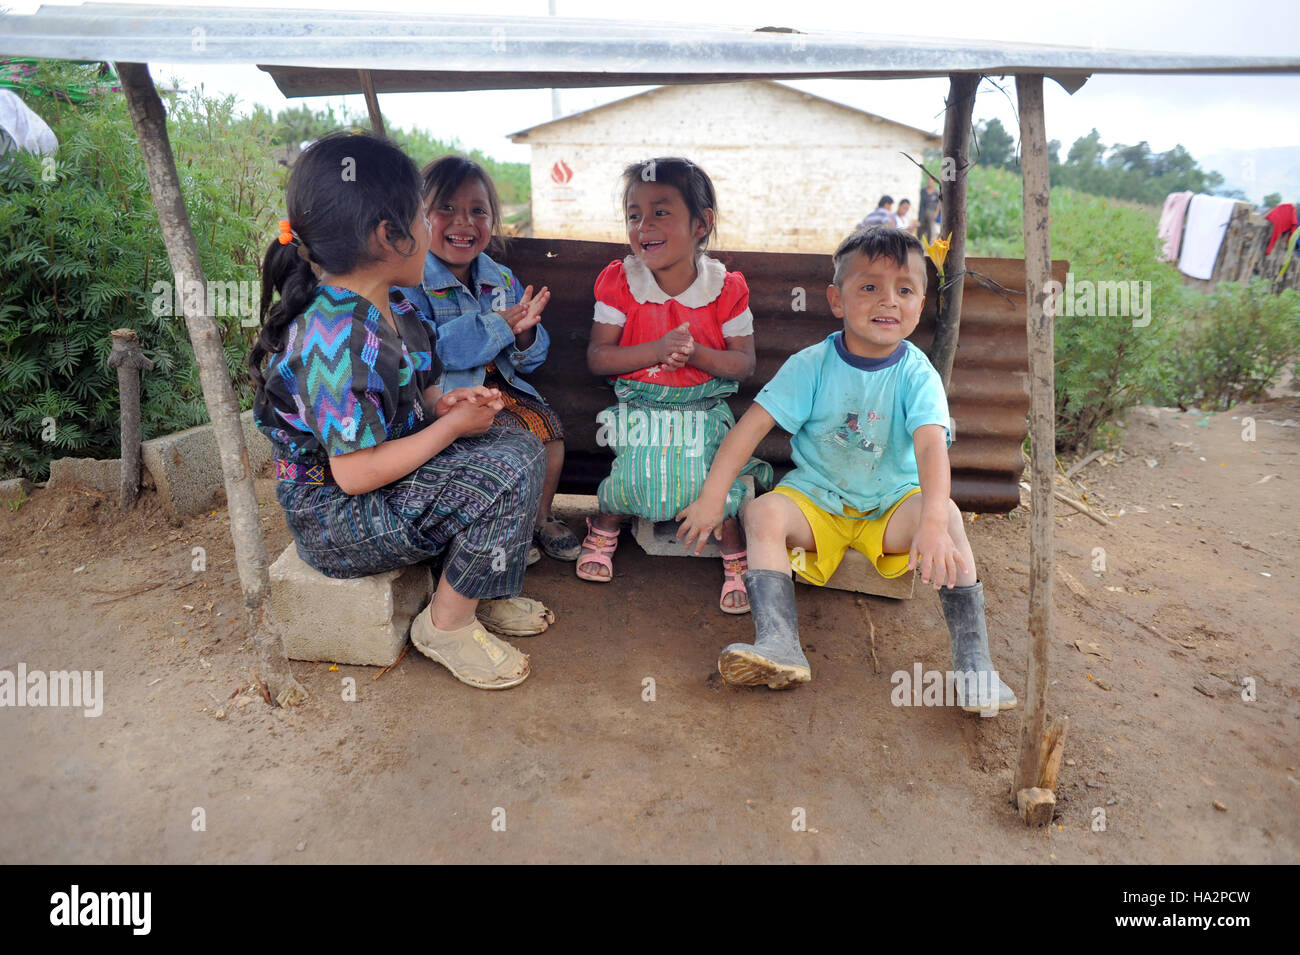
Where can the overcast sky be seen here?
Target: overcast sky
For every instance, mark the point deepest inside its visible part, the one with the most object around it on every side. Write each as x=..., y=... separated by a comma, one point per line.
x=1205, y=114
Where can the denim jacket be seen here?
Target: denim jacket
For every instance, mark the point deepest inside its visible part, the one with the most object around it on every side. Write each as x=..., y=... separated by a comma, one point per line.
x=470, y=333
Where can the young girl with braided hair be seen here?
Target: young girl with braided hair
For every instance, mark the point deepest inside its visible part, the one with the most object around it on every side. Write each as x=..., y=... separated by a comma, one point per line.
x=377, y=469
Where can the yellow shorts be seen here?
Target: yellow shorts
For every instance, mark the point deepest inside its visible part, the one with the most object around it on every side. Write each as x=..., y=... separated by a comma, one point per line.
x=833, y=534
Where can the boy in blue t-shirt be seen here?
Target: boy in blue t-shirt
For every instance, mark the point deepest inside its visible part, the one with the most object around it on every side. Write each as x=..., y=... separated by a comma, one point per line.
x=868, y=420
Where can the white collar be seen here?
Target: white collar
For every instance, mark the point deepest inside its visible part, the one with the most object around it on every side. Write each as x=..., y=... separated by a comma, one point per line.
x=710, y=274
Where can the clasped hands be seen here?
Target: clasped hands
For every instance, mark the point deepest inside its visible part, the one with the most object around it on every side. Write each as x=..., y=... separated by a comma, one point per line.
x=470, y=410
x=674, y=350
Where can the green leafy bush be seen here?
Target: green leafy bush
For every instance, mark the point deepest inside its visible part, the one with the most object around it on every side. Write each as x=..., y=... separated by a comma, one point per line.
x=1236, y=342
x=1104, y=363
x=81, y=253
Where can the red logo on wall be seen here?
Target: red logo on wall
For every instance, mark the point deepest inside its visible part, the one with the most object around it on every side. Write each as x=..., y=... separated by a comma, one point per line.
x=561, y=173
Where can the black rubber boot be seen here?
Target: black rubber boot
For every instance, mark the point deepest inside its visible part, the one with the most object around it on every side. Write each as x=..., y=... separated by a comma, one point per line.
x=963, y=610
x=775, y=658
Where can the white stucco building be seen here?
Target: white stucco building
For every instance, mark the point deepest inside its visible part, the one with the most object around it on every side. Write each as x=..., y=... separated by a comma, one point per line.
x=794, y=172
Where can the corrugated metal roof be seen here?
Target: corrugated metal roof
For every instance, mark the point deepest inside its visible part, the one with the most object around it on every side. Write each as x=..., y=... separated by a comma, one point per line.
x=523, y=134
x=483, y=52
x=988, y=395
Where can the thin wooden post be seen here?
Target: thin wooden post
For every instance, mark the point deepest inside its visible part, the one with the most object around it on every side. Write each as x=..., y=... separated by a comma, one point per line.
x=372, y=103
x=956, y=161
x=1042, y=426
x=129, y=360
x=150, y=123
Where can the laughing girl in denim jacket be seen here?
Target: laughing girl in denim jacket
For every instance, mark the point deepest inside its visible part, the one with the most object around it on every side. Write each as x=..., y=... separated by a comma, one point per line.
x=488, y=330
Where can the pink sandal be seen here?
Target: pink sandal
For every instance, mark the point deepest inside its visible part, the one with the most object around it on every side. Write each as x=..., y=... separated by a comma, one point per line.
x=733, y=565
x=597, y=547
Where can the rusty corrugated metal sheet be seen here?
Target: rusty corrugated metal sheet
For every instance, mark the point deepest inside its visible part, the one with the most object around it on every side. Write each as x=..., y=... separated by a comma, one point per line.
x=988, y=396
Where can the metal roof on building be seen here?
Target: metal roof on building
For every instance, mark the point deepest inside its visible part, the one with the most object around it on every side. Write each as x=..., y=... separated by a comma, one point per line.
x=422, y=52
x=524, y=135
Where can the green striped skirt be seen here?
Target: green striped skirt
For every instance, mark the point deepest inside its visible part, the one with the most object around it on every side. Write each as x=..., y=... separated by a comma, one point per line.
x=664, y=440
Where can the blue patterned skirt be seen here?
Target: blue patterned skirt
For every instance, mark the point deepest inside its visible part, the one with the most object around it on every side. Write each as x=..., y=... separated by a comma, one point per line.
x=470, y=509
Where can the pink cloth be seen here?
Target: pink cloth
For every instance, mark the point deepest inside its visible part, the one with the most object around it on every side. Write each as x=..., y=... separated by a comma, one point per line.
x=1171, y=224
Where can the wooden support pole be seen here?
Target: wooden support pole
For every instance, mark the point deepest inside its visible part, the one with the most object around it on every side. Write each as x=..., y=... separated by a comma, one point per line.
x=956, y=161
x=1042, y=424
x=129, y=360
x=372, y=103
x=150, y=121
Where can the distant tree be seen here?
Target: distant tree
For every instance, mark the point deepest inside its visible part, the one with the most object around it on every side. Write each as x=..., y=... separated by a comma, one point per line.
x=1272, y=199
x=1131, y=172
x=1086, y=151
x=994, y=145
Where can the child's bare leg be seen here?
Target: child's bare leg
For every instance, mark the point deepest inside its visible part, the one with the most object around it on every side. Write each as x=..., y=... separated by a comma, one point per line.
x=555, y=538
x=733, y=542
x=905, y=524
x=606, y=524
x=554, y=464
x=773, y=526
x=449, y=610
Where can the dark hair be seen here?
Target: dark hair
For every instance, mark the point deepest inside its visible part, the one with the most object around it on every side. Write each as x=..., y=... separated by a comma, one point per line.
x=885, y=201
x=340, y=189
x=874, y=243
x=904, y=202
x=690, y=180
x=444, y=175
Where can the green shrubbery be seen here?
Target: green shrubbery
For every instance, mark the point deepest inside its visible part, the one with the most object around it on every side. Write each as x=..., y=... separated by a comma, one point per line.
x=1234, y=343
x=81, y=251
x=1196, y=349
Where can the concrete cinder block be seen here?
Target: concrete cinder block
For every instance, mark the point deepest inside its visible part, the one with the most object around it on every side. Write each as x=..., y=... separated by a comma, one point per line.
x=363, y=621
x=91, y=474
x=858, y=575
x=186, y=466
x=15, y=487
x=659, y=538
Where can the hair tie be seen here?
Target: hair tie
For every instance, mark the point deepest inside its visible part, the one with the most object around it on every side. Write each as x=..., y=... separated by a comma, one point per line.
x=286, y=234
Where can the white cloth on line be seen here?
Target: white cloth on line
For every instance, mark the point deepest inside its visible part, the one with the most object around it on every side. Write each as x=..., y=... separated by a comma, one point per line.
x=1207, y=221
x=26, y=129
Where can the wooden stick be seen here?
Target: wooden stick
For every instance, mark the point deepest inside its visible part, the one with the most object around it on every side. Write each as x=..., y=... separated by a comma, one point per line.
x=130, y=593
x=875, y=661
x=1080, y=507
x=393, y=664
x=1037, y=806
x=1051, y=751
x=1038, y=261
x=372, y=103
x=150, y=122
x=1080, y=465
x=266, y=694
x=956, y=144
x=129, y=360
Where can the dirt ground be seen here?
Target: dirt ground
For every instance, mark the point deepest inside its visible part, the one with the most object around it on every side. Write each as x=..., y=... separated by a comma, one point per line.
x=1148, y=659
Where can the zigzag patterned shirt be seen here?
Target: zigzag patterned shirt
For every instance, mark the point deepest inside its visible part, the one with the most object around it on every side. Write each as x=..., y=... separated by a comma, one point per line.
x=345, y=380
